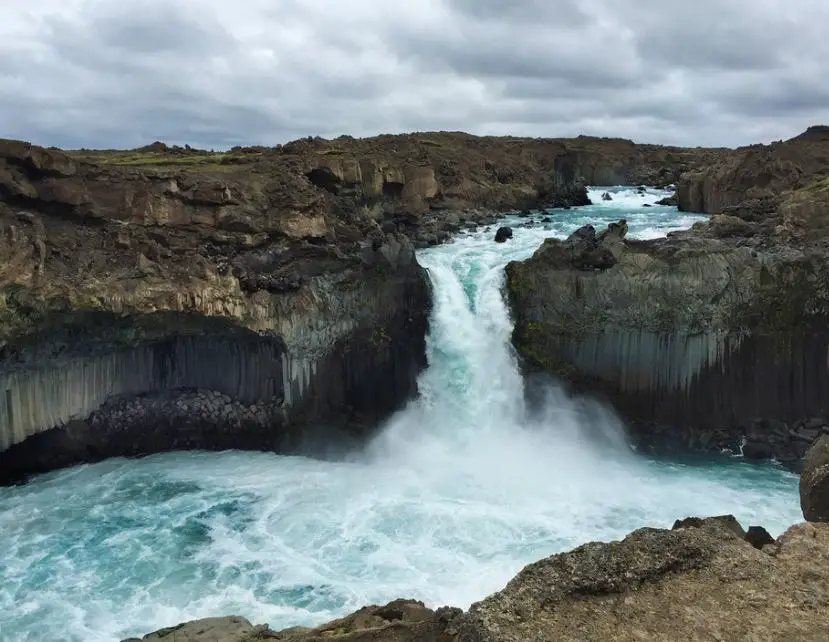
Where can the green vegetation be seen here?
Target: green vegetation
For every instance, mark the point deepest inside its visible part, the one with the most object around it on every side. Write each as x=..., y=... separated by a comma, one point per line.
x=187, y=160
x=819, y=184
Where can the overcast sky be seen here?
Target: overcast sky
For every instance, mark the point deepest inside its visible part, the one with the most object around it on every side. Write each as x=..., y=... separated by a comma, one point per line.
x=215, y=73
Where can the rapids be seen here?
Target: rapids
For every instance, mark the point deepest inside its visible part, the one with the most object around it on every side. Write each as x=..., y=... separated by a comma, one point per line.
x=459, y=490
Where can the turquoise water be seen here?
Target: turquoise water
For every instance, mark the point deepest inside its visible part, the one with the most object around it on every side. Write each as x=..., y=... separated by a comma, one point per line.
x=460, y=490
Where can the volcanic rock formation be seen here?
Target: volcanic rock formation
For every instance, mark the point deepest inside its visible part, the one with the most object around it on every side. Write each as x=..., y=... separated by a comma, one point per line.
x=175, y=298
x=715, y=337
x=814, y=482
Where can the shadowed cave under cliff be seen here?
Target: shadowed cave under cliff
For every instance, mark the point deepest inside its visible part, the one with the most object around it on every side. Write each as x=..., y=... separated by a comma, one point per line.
x=106, y=386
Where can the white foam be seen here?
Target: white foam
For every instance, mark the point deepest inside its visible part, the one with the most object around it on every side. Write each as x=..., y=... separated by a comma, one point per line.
x=624, y=197
x=446, y=505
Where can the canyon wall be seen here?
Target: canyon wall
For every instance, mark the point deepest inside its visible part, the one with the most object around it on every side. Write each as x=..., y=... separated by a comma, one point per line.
x=142, y=312
x=262, y=297
x=703, y=341
x=754, y=180
x=713, y=338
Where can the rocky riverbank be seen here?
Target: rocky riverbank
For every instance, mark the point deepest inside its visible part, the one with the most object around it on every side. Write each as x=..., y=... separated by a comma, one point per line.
x=704, y=579
x=266, y=298
x=713, y=338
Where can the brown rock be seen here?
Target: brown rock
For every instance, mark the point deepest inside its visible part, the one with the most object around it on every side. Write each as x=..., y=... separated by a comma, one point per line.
x=686, y=584
x=728, y=523
x=814, y=482
x=35, y=160
x=398, y=621
x=217, y=629
x=755, y=173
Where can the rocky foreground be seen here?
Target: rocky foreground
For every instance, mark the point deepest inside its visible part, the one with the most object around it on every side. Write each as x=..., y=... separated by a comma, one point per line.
x=713, y=338
x=705, y=579
x=264, y=298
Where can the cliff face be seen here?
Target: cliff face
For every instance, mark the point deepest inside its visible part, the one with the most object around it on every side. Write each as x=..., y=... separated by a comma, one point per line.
x=712, y=338
x=755, y=176
x=702, y=341
x=141, y=312
x=176, y=298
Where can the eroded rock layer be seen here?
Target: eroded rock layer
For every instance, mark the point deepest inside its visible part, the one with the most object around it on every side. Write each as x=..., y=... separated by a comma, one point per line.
x=713, y=338
x=704, y=343
x=168, y=297
x=144, y=321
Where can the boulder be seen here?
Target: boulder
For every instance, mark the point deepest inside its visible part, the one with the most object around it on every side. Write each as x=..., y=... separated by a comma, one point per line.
x=671, y=201
x=758, y=537
x=216, y=629
x=606, y=196
x=503, y=234
x=814, y=482
x=584, y=250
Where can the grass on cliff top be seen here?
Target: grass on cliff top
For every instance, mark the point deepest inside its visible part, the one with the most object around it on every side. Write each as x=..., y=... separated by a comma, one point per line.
x=191, y=160
x=819, y=184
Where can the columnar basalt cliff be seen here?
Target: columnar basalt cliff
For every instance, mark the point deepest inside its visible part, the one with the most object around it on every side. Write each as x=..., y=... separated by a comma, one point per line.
x=141, y=313
x=175, y=298
x=716, y=337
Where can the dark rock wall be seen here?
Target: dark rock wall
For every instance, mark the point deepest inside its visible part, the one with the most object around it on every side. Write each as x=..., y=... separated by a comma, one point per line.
x=701, y=342
x=707, y=392
x=65, y=404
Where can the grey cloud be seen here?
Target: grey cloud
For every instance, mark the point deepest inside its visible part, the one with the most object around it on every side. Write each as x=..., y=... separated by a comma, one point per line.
x=530, y=11
x=213, y=73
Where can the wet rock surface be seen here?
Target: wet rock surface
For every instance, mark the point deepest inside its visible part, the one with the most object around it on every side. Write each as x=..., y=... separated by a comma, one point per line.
x=503, y=234
x=702, y=340
x=814, y=482
x=700, y=580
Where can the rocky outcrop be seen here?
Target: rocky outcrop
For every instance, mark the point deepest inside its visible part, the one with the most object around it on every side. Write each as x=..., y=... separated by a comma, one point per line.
x=814, y=482
x=701, y=583
x=217, y=629
x=141, y=313
x=168, y=297
x=752, y=176
x=700, y=580
x=712, y=338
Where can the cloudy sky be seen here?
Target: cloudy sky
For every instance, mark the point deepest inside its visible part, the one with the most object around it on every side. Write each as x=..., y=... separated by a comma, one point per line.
x=215, y=73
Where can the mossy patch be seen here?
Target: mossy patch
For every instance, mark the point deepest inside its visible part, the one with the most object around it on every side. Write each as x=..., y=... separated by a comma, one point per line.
x=193, y=160
x=788, y=297
x=819, y=185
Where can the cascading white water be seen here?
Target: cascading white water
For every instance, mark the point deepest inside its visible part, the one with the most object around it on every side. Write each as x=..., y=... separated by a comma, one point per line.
x=459, y=491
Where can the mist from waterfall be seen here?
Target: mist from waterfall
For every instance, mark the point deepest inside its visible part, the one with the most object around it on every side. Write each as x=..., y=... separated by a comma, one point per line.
x=460, y=489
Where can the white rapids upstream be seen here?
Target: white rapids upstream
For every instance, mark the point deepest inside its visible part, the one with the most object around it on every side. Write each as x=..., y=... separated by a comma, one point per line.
x=458, y=492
